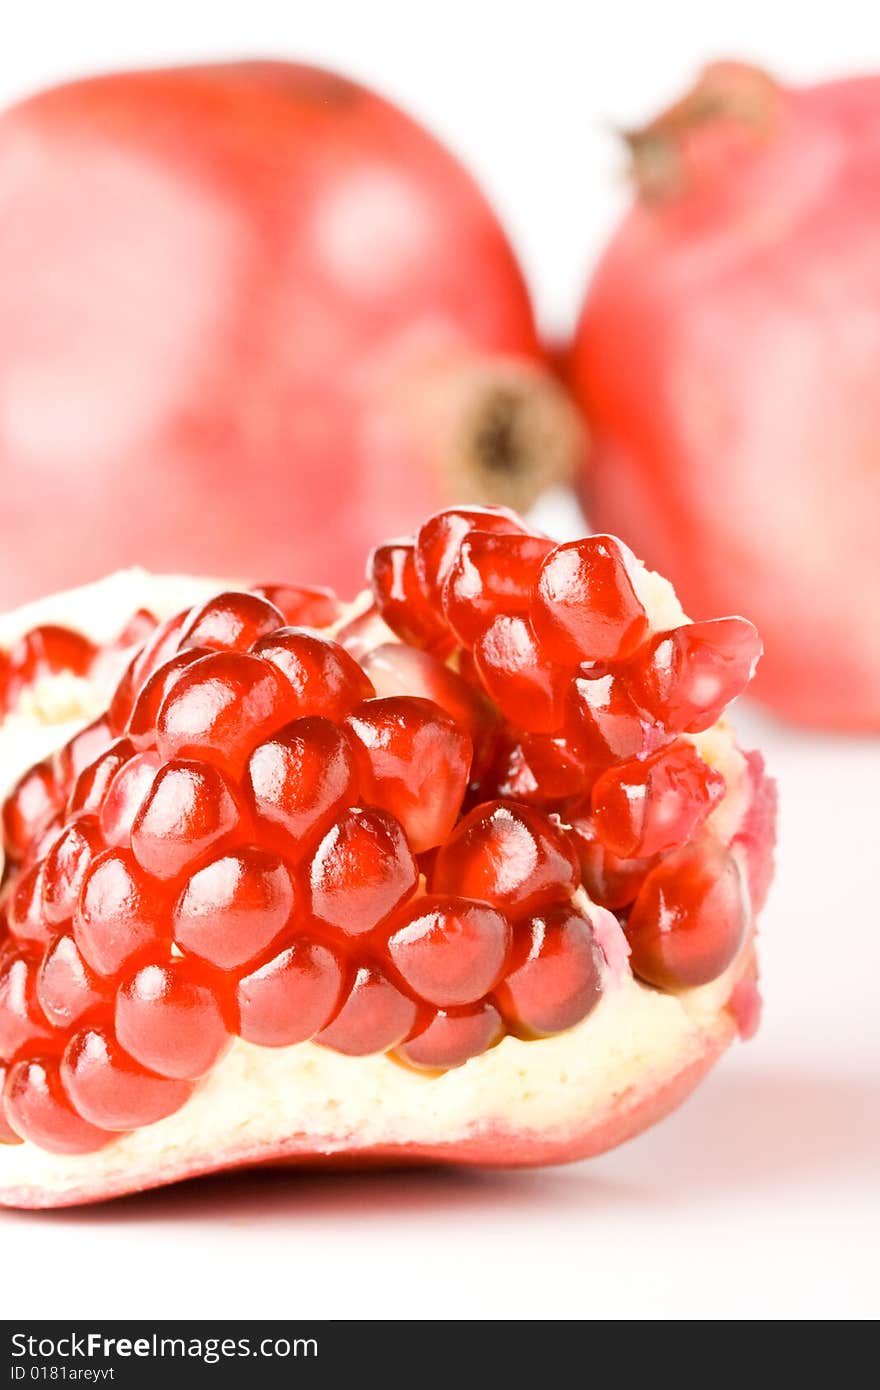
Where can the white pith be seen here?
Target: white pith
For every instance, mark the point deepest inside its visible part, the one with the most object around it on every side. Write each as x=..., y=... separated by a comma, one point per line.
x=635, y=1041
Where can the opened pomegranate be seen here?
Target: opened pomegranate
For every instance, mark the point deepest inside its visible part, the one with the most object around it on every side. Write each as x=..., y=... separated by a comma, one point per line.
x=727, y=358
x=229, y=284
x=279, y=901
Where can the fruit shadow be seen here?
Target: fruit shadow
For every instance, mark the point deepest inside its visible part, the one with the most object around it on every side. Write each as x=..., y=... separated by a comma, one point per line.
x=739, y=1136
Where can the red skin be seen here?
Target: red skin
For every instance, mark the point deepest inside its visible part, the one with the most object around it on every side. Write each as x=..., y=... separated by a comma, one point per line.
x=732, y=402
x=295, y=222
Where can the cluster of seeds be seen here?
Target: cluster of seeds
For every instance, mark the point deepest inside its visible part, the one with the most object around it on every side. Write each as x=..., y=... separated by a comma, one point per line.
x=373, y=842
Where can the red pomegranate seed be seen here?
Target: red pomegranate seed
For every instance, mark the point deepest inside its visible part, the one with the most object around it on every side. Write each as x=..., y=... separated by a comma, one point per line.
x=91, y=785
x=65, y=868
x=689, y=919
x=109, y=1089
x=48, y=650
x=139, y=628
x=538, y=768
x=606, y=723
x=292, y=997
x=586, y=607
x=643, y=808
x=399, y=598
x=362, y=870
x=300, y=779
x=30, y=806
x=525, y=685
x=492, y=574
x=509, y=855
x=113, y=659
x=375, y=1017
x=169, y=1019
x=189, y=809
x=81, y=751
x=7, y=1133
x=361, y=634
x=22, y=1022
x=126, y=795
x=67, y=990
x=303, y=605
x=452, y=1037
x=140, y=726
x=235, y=908
x=556, y=979
x=608, y=881
x=688, y=676
x=414, y=761
x=121, y=913
x=323, y=678
x=39, y=1109
x=163, y=644
x=231, y=622
x=397, y=669
x=221, y=707
x=440, y=538
x=449, y=951
x=26, y=915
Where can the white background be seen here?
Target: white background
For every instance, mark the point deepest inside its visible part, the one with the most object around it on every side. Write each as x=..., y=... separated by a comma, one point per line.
x=761, y=1197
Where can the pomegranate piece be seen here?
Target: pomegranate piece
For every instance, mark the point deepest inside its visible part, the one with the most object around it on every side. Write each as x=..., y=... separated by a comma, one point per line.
x=439, y=541
x=414, y=761
x=31, y=804
x=687, y=677
x=46, y=651
x=323, y=678
x=301, y=778
x=169, y=1019
x=585, y=606
x=221, y=707
x=643, y=808
x=608, y=880
x=292, y=997
x=527, y=687
x=22, y=1022
x=509, y=855
x=81, y=751
x=452, y=1037
x=125, y=796
x=361, y=871
x=541, y=769
x=65, y=868
x=140, y=726
x=556, y=975
x=92, y=783
x=449, y=951
x=303, y=605
x=25, y=915
x=234, y=908
x=231, y=622
x=492, y=574
x=39, y=1109
x=689, y=919
x=605, y=722
x=110, y=1090
x=67, y=990
x=374, y=1017
x=122, y=913
x=402, y=603
x=189, y=808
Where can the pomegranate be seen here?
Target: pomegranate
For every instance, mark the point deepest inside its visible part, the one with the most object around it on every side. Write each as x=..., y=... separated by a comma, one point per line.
x=228, y=284
x=274, y=910
x=727, y=357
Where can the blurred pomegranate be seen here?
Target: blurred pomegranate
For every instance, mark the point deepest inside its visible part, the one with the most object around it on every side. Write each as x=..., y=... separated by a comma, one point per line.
x=728, y=357
x=251, y=316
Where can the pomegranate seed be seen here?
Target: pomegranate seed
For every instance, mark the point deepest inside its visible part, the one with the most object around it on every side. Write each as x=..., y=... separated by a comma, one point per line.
x=303, y=605
x=688, y=676
x=556, y=978
x=323, y=678
x=361, y=634
x=643, y=808
x=163, y=644
x=141, y=723
x=235, y=908
x=22, y=1022
x=452, y=1037
x=448, y=950
x=689, y=919
x=491, y=575
x=527, y=688
x=221, y=707
x=39, y=1109
x=7, y=1133
x=292, y=997
x=413, y=761
x=48, y=650
x=586, y=607
x=605, y=722
x=300, y=779
x=65, y=869
x=139, y=628
x=231, y=622
x=189, y=809
x=110, y=1090
x=538, y=768
x=392, y=575
x=81, y=751
x=375, y=1017
x=67, y=990
x=168, y=1018
x=508, y=855
x=91, y=785
x=362, y=870
x=609, y=881
x=440, y=538
x=26, y=915
x=121, y=914
x=31, y=804
x=126, y=795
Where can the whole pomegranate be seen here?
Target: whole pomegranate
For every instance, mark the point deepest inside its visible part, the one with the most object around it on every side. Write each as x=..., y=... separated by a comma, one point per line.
x=728, y=357
x=229, y=283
